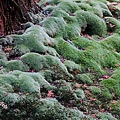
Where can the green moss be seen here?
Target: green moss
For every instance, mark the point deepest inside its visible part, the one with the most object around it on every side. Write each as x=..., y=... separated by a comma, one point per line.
x=34, y=61
x=85, y=78
x=36, y=78
x=62, y=14
x=112, y=85
x=67, y=50
x=69, y=7
x=19, y=50
x=48, y=75
x=71, y=31
x=71, y=66
x=104, y=116
x=91, y=22
x=11, y=98
x=112, y=42
x=28, y=84
x=79, y=94
x=101, y=93
x=34, y=38
x=95, y=90
x=53, y=26
x=115, y=105
x=15, y=65
x=38, y=62
x=93, y=54
x=65, y=91
x=52, y=109
x=9, y=79
x=3, y=58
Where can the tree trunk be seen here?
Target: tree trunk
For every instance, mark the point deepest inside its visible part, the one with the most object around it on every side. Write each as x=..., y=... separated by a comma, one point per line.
x=13, y=13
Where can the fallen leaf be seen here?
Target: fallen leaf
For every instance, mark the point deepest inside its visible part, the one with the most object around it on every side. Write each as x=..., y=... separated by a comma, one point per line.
x=50, y=94
x=105, y=76
x=78, y=85
x=87, y=92
x=75, y=72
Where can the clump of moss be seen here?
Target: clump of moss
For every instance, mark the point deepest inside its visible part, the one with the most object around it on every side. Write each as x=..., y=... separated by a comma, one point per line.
x=95, y=7
x=53, y=26
x=69, y=7
x=3, y=58
x=33, y=39
x=67, y=50
x=101, y=93
x=112, y=85
x=48, y=75
x=93, y=55
x=115, y=106
x=15, y=65
x=79, y=94
x=71, y=66
x=52, y=109
x=19, y=50
x=107, y=116
x=91, y=22
x=64, y=90
x=112, y=43
x=38, y=62
x=85, y=78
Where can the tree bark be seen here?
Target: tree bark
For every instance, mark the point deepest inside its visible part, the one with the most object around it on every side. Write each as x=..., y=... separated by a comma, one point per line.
x=13, y=13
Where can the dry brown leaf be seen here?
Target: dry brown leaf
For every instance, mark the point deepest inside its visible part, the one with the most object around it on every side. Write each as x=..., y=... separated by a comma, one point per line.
x=78, y=85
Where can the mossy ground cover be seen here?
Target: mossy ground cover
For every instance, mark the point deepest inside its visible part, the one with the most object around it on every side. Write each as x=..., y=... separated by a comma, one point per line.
x=64, y=67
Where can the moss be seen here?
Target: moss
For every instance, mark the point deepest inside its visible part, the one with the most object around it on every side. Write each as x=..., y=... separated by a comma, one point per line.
x=81, y=42
x=71, y=31
x=115, y=105
x=38, y=62
x=10, y=79
x=85, y=78
x=96, y=9
x=91, y=22
x=38, y=78
x=64, y=90
x=49, y=75
x=28, y=84
x=95, y=90
x=53, y=26
x=69, y=7
x=67, y=50
x=19, y=50
x=49, y=8
x=34, y=38
x=79, y=94
x=34, y=61
x=52, y=109
x=93, y=54
x=112, y=85
x=68, y=18
x=71, y=66
x=11, y=98
x=15, y=65
x=3, y=59
x=101, y=93
x=104, y=116
x=112, y=42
